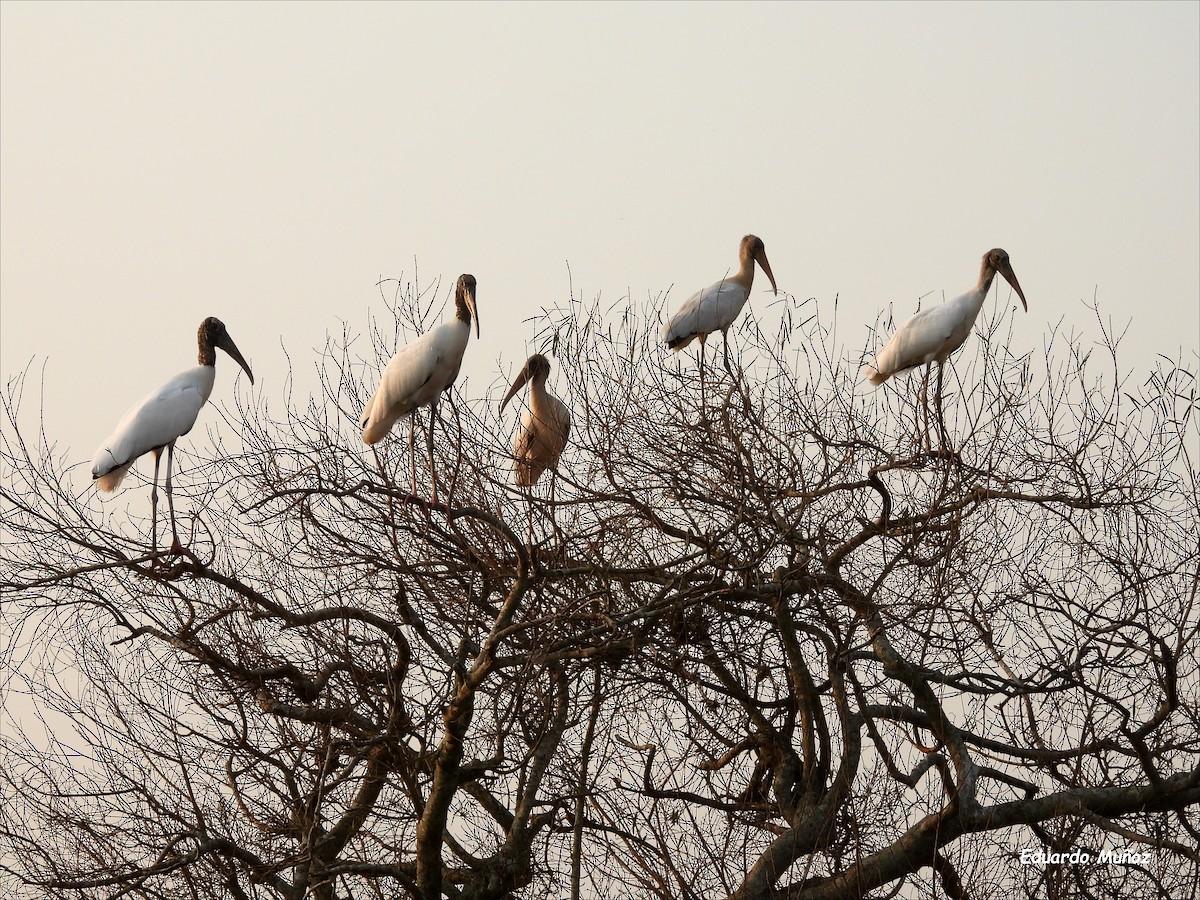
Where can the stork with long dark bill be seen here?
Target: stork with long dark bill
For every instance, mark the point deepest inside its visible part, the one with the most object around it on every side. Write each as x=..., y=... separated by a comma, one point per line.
x=933, y=334
x=419, y=373
x=545, y=426
x=164, y=416
x=717, y=306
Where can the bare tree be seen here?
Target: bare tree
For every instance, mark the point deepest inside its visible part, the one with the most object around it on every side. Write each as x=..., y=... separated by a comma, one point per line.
x=761, y=647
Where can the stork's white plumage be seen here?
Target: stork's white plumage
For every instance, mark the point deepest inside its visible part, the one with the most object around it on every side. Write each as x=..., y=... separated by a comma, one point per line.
x=933, y=334
x=544, y=427
x=419, y=372
x=161, y=418
x=717, y=306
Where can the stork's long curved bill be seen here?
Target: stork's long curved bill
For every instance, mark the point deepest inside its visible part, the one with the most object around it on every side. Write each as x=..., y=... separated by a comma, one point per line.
x=1005, y=269
x=522, y=378
x=470, y=295
x=761, y=259
x=225, y=342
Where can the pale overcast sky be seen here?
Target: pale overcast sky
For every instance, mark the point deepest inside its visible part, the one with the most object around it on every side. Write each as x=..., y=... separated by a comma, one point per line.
x=268, y=163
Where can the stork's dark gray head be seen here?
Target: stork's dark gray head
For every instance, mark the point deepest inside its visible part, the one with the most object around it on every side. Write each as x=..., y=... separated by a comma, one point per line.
x=464, y=300
x=753, y=248
x=210, y=330
x=537, y=367
x=997, y=261
x=752, y=245
x=536, y=370
x=996, y=258
x=213, y=334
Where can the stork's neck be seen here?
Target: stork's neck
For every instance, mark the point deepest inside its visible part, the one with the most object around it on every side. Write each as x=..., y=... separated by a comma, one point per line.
x=462, y=312
x=538, y=395
x=986, y=274
x=745, y=275
x=207, y=355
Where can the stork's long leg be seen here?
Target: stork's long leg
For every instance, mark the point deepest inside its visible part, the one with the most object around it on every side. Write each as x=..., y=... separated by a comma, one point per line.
x=925, y=444
x=552, y=530
x=457, y=467
x=176, y=547
x=937, y=400
x=157, y=451
x=703, y=338
x=528, y=492
x=429, y=443
x=558, y=534
x=412, y=450
x=725, y=349
x=943, y=434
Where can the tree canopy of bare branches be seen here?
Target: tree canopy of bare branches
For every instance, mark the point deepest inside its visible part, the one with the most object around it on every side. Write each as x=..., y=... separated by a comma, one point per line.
x=762, y=648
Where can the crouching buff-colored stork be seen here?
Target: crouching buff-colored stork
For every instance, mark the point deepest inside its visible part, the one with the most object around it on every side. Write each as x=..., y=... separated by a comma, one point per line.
x=717, y=306
x=419, y=373
x=545, y=426
x=164, y=416
x=933, y=334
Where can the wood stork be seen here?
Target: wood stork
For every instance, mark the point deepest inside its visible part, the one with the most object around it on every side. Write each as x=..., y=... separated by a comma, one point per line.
x=544, y=427
x=933, y=334
x=543, y=433
x=419, y=372
x=162, y=418
x=717, y=306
